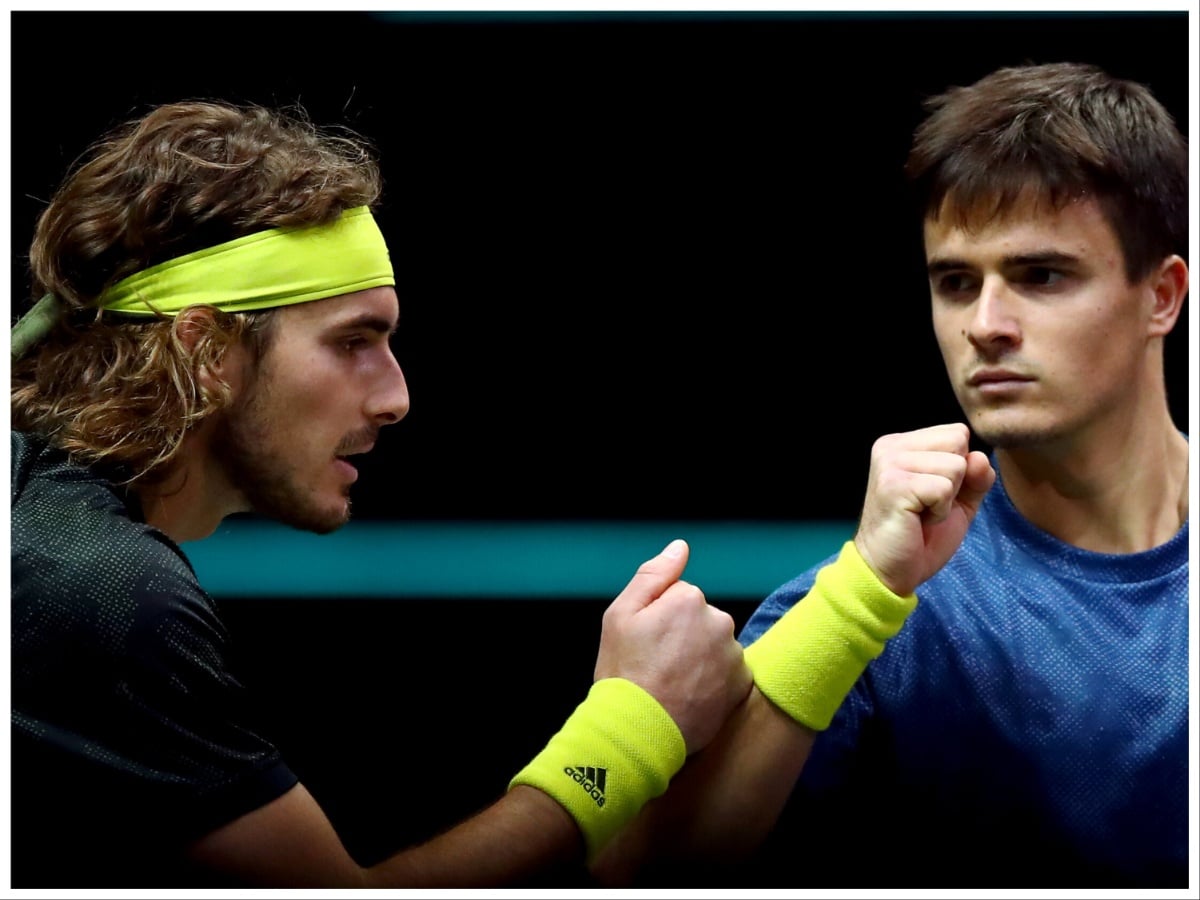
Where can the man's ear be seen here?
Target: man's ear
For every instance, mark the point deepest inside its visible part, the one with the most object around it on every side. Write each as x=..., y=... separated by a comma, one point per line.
x=1170, y=286
x=192, y=325
x=216, y=360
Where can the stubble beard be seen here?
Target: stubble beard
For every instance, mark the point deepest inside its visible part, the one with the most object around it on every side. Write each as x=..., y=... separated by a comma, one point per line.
x=1015, y=434
x=262, y=472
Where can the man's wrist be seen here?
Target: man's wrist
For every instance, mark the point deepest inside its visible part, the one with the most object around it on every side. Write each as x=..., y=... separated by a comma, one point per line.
x=617, y=750
x=809, y=659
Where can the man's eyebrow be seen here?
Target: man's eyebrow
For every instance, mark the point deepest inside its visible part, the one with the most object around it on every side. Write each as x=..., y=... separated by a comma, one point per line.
x=946, y=264
x=1044, y=258
x=368, y=322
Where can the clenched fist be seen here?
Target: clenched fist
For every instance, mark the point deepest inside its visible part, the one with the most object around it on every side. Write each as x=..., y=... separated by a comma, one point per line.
x=923, y=490
x=661, y=634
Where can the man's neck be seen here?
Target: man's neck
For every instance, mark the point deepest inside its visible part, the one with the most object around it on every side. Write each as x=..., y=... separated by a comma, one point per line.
x=1124, y=493
x=191, y=501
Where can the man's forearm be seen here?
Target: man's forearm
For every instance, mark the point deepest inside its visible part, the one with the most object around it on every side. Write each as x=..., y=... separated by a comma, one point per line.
x=722, y=804
x=523, y=835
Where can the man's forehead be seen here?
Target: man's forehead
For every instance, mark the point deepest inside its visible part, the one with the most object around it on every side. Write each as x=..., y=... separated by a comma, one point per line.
x=1034, y=217
x=1032, y=203
x=376, y=307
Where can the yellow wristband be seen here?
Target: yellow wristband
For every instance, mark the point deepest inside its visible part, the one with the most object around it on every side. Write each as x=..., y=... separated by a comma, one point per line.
x=616, y=751
x=809, y=659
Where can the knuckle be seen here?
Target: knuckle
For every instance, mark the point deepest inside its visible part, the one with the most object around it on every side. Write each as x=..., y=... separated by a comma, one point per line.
x=687, y=594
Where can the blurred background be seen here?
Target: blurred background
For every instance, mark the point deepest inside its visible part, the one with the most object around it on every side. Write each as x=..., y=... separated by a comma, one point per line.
x=658, y=277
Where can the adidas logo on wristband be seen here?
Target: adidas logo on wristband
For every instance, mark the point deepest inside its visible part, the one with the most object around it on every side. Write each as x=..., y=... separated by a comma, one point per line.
x=591, y=780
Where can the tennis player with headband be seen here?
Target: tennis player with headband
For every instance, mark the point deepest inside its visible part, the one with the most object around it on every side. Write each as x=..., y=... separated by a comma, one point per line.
x=213, y=337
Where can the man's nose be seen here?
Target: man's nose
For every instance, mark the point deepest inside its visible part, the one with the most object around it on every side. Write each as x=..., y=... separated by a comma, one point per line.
x=994, y=318
x=389, y=401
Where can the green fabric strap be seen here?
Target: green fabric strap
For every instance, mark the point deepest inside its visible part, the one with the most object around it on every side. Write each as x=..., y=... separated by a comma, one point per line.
x=34, y=325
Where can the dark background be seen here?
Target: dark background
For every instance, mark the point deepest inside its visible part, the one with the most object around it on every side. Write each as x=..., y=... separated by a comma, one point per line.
x=651, y=266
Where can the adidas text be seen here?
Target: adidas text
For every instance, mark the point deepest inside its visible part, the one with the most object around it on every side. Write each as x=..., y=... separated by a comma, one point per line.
x=591, y=780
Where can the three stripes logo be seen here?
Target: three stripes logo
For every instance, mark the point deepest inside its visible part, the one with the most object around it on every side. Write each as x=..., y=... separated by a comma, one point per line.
x=591, y=780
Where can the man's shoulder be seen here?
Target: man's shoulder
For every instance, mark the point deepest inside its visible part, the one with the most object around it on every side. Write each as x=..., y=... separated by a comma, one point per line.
x=780, y=600
x=964, y=566
x=74, y=533
x=55, y=500
x=24, y=450
x=44, y=473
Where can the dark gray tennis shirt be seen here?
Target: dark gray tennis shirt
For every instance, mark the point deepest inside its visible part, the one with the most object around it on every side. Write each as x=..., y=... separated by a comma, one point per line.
x=130, y=734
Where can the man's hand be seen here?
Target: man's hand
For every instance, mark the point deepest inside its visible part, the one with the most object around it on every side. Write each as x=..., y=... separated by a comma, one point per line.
x=923, y=490
x=661, y=634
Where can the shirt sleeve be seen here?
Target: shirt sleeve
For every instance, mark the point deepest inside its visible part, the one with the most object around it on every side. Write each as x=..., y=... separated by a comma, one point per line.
x=122, y=678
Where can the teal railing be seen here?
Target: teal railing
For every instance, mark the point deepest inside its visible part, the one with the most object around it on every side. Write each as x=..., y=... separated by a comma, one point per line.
x=744, y=560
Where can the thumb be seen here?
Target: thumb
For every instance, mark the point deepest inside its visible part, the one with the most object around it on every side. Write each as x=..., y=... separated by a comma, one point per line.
x=977, y=482
x=654, y=576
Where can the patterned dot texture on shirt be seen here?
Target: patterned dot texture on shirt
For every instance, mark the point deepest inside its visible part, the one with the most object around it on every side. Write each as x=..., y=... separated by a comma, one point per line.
x=121, y=694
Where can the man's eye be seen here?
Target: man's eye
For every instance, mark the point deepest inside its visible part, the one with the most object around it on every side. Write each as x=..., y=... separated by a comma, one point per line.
x=955, y=283
x=1039, y=276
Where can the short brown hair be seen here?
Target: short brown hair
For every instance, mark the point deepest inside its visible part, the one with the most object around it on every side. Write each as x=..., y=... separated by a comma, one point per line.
x=1065, y=129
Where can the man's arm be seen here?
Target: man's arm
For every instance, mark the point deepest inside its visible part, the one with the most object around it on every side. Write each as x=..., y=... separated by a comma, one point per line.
x=668, y=673
x=290, y=842
x=923, y=490
x=722, y=804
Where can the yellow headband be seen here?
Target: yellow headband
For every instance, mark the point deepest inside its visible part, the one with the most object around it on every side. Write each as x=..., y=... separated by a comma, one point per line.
x=277, y=267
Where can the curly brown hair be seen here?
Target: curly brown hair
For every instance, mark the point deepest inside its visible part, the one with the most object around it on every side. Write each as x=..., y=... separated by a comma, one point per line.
x=1066, y=129
x=123, y=393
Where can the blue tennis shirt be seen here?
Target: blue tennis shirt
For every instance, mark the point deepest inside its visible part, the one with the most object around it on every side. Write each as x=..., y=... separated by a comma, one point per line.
x=1027, y=727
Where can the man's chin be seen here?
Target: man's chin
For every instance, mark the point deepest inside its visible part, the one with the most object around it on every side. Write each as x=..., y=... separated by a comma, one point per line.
x=325, y=526
x=1009, y=435
x=318, y=521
